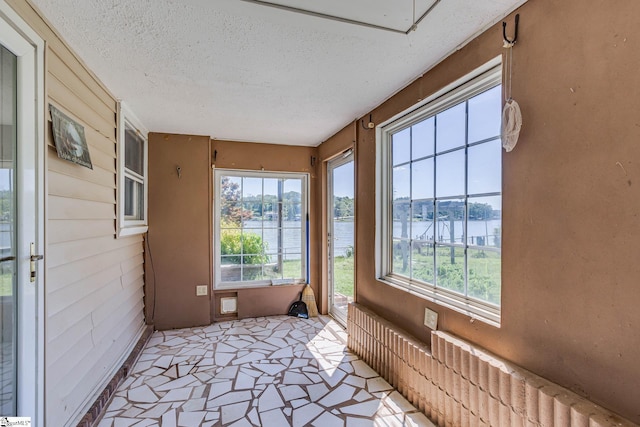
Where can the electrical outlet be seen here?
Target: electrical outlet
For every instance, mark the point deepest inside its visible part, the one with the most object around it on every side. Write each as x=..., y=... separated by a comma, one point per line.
x=201, y=290
x=430, y=319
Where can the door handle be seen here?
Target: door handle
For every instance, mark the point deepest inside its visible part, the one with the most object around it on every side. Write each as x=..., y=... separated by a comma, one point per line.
x=33, y=258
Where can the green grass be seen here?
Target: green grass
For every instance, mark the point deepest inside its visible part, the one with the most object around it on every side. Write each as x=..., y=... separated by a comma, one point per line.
x=343, y=275
x=484, y=270
x=6, y=284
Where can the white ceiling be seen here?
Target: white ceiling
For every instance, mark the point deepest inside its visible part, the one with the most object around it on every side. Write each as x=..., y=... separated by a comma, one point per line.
x=241, y=70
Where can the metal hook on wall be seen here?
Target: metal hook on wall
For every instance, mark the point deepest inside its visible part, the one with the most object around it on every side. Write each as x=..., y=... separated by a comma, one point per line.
x=370, y=125
x=179, y=170
x=507, y=41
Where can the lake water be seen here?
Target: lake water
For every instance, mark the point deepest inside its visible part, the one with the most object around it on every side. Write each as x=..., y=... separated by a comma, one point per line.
x=344, y=231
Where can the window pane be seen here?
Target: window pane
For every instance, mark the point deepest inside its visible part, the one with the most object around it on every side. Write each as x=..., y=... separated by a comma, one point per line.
x=251, y=188
x=260, y=234
x=400, y=252
x=484, y=226
x=422, y=220
x=292, y=214
x=450, y=128
x=422, y=179
x=270, y=190
x=129, y=197
x=401, y=147
x=230, y=269
x=450, y=221
x=133, y=199
x=252, y=244
x=450, y=177
x=133, y=151
x=484, y=275
x=272, y=269
x=291, y=240
x=251, y=270
x=401, y=182
x=485, y=115
x=292, y=190
x=292, y=267
x=450, y=268
x=485, y=168
x=422, y=262
x=230, y=201
x=422, y=139
x=401, y=220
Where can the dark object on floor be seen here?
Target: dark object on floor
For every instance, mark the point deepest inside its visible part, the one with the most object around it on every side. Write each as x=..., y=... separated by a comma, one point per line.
x=299, y=309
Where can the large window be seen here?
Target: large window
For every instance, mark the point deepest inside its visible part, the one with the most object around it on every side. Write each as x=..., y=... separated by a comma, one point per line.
x=442, y=200
x=260, y=228
x=132, y=174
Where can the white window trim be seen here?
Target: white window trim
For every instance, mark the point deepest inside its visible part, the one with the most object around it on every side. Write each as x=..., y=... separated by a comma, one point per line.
x=218, y=284
x=128, y=227
x=476, y=82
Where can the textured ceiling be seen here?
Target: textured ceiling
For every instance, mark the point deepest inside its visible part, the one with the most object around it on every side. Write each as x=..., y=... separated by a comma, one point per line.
x=238, y=70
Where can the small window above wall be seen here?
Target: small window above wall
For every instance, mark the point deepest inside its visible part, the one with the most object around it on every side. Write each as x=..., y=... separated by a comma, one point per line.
x=132, y=174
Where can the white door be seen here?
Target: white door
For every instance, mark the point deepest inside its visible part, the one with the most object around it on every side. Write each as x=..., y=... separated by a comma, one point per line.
x=341, y=232
x=21, y=219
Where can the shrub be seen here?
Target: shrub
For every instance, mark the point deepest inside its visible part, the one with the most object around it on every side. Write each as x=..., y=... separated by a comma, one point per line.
x=234, y=242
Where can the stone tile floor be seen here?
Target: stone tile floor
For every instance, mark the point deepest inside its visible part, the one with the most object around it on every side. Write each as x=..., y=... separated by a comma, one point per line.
x=269, y=371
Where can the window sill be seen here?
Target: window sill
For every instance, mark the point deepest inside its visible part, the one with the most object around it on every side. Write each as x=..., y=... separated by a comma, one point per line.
x=133, y=230
x=448, y=299
x=249, y=285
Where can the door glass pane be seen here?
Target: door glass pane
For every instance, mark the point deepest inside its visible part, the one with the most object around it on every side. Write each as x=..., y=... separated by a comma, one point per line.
x=8, y=267
x=342, y=237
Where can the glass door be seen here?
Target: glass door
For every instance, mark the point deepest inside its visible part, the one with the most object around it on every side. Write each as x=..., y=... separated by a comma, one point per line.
x=8, y=227
x=341, y=232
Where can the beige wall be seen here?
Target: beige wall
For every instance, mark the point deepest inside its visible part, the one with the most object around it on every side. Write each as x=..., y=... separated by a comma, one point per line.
x=93, y=282
x=179, y=231
x=570, y=219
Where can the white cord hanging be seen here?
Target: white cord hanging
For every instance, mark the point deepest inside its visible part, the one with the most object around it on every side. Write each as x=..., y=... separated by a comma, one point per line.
x=511, y=115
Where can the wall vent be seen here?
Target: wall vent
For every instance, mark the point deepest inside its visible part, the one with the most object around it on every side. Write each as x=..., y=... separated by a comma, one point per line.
x=228, y=305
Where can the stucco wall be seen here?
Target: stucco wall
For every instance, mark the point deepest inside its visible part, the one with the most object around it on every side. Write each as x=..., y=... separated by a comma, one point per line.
x=570, y=201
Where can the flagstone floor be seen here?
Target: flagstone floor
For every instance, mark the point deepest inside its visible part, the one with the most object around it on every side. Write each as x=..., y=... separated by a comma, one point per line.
x=270, y=371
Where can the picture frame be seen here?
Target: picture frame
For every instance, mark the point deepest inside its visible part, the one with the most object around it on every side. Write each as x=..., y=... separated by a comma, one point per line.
x=69, y=138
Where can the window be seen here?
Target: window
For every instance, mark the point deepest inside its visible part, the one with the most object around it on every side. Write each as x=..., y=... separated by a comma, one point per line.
x=260, y=228
x=132, y=174
x=442, y=198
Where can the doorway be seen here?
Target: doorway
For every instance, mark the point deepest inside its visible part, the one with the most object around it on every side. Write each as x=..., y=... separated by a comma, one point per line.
x=340, y=234
x=21, y=218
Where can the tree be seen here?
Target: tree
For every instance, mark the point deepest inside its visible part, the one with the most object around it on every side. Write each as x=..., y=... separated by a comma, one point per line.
x=231, y=204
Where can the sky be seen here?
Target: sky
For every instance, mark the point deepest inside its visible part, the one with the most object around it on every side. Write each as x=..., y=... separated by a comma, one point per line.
x=447, y=132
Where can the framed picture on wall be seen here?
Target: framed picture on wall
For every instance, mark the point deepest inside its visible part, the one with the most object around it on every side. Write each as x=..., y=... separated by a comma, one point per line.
x=69, y=139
